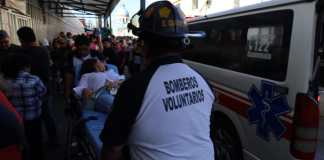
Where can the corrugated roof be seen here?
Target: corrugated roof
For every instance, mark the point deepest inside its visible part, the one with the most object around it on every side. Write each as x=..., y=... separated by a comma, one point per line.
x=84, y=7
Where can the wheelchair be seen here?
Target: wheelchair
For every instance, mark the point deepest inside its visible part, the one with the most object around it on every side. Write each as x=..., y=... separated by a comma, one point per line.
x=84, y=125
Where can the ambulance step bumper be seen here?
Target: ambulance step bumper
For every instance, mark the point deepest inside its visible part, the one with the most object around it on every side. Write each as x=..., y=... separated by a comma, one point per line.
x=320, y=148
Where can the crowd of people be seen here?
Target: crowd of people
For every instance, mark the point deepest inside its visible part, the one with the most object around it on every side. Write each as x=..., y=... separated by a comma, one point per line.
x=78, y=65
x=122, y=52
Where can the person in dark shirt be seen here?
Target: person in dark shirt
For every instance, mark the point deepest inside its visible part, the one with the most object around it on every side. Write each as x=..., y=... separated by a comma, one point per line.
x=109, y=53
x=40, y=66
x=5, y=44
x=121, y=55
x=59, y=54
x=6, y=48
x=137, y=59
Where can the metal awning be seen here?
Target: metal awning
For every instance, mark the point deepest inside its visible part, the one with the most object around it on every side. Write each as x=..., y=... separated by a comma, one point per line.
x=83, y=7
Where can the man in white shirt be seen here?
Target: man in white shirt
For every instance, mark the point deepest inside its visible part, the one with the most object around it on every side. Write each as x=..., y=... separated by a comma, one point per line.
x=94, y=82
x=162, y=113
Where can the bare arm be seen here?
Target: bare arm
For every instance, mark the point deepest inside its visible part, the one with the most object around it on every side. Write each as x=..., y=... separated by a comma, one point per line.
x=100, y=44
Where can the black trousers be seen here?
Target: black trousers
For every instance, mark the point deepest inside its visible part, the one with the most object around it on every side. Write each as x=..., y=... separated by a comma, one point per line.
x=49, y=122
x=33, y=132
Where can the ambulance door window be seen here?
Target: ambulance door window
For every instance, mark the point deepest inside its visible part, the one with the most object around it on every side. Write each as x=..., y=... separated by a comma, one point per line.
x=255, y=44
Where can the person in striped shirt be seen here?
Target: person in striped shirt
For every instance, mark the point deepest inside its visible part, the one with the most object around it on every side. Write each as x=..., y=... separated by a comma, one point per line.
x=26, y=95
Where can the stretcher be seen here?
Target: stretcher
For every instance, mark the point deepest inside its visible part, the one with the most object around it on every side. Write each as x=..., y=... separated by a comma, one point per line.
x=84, y=126
x=86, y=122
x=93, y=128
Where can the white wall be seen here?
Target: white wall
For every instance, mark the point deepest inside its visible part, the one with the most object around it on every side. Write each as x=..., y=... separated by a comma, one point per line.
x=45, y=24
x=48, y=25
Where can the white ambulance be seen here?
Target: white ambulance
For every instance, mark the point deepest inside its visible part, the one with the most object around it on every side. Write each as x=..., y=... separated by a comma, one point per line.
x=264, y=64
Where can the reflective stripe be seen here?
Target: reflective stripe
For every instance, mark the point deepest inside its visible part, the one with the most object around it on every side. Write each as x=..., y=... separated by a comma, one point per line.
x=306, y=133
x=305, y=146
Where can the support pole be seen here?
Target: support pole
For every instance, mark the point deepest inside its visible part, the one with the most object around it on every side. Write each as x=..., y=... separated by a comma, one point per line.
x=143, y=5
x=110, y=27
x=99, y=21
x=105, y=21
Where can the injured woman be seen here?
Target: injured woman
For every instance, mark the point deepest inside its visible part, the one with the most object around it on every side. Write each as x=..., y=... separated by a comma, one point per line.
x=98, y=85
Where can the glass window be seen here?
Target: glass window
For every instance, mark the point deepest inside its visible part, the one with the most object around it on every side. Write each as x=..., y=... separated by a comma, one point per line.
x=262, y=41
x=255, y=44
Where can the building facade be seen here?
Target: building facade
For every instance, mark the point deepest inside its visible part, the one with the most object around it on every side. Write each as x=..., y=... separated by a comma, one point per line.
x=120, y=20
x=45, y=23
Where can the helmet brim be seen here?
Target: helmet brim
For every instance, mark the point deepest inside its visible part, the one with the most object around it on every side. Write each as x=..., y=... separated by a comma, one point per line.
x=196, y=34
x=191, y=34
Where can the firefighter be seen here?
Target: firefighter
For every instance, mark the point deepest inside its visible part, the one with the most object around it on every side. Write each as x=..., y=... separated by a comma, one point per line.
x=162, y=113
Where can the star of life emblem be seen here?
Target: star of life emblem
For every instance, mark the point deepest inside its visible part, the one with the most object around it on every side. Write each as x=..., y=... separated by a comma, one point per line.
x=267, y=107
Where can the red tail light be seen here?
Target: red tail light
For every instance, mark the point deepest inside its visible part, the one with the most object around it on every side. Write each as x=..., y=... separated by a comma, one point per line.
x=305, y=129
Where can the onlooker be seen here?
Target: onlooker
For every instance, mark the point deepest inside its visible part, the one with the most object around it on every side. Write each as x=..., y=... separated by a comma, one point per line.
x=58, y=55
x=28, y=91
x=69, y=35
x=93, y=44
x=137, y=59
x=6, y=48
x=5, y=45
x=62, y=35
x=122, y=56
x=40, y=66
x=70, y=41
x=59, y=51
x=40, y=56
x=96, y=42
x=109, y=53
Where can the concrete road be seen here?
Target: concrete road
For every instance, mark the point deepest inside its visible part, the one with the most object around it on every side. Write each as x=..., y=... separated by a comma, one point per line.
x=320, y=148
x=57, y=153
